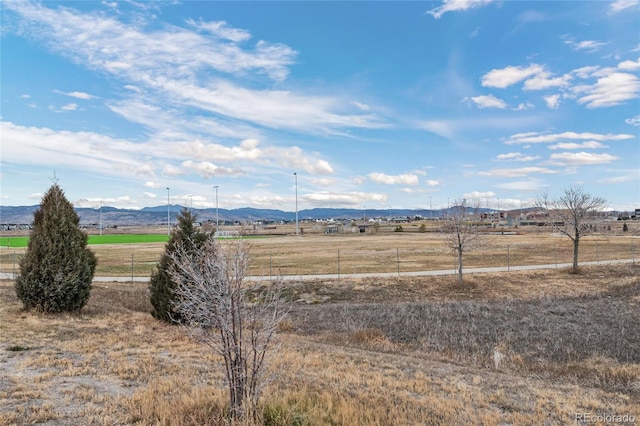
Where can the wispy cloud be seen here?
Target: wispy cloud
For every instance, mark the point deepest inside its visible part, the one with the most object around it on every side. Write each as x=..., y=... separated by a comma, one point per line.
x=180, y=66
x=581, y=158
x=535, y=137
x=487, y=101
x=221, y=30
x=583, y=145
x=620, y=5
x=519, y=172
x=77, y=95
x=553, y=101
x=585, y=45
x=634, y=121
x=505, y=77
x=148, y=159
x=352, y=199
x=613, y=85
x=402, y=179
x=517, y=156
x=611, y=90
x=455, y=6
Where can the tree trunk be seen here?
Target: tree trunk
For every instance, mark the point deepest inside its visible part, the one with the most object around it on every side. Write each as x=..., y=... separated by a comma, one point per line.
x=459, y=266
x=576, y=243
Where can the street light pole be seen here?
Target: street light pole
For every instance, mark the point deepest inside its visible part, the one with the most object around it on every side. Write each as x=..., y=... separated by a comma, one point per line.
x=168, y=217
x=297, y=225
x=216, y=188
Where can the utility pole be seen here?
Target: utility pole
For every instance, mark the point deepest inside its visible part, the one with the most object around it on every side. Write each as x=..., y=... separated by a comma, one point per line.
x=216, y=188
x=168, y=217
x=297, y=225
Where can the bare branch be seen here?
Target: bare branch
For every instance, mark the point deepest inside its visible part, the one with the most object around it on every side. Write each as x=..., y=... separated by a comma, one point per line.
x=238, y=321
x=569, y=213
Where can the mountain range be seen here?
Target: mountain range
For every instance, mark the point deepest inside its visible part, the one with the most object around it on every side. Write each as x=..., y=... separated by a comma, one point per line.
x=158, y=215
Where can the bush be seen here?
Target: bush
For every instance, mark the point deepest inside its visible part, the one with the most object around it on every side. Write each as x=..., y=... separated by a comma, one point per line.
x=161, y=285
x=58, y=267
x=398, y=229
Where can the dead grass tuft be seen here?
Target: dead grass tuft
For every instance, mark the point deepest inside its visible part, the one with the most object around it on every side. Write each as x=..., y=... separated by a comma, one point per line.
x=373, y=351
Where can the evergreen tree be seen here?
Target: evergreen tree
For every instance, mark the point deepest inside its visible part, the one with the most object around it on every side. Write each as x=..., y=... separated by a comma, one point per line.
x=161, y=286
x=58, y=267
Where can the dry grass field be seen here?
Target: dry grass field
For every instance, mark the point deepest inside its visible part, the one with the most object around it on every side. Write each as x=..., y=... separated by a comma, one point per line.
x=535, y=347
x=384, y=251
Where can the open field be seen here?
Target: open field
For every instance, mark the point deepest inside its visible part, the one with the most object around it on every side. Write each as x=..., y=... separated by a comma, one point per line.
x=373, y=252
x=22, y=241
x=534, y=347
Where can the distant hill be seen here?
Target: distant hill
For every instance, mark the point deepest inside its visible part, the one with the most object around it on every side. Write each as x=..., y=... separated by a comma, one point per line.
x=158, y=215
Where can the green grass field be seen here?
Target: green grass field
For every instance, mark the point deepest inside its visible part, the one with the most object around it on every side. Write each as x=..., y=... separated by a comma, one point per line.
x=20, y=242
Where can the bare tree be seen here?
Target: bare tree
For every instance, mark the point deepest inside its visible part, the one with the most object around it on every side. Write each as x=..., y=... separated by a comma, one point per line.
x=568, y=214
x=461, y=232
x=237, y=320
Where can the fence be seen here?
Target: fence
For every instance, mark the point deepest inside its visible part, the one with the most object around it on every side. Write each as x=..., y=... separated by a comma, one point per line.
x=318, y=259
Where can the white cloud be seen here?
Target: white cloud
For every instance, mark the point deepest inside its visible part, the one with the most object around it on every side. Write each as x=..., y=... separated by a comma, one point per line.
x=543, y=80
x=478, y=194
x=619, y=5
x=629, y=65
x=553, y=101
x=442, y=128
x=25, y=96
x=583, y=145
x=403, y=179
x=510, y=75
x=487, y=101
x=171, y=170
x=581, y=158
x=433, y=183
x=350, y=199
x=361, y=106
x=585, y=72
x=517, y=156
x=77, y=95
x=221, y=30
x=535, y=137
x=150, y=184
x=523, y=106
x=635, y=121
x=150, y=195
x=208, y=170
x=586, y=45
x=611, y=90
x=177, y=66
x=519, y=172
x=69, y=107
x=456, y=5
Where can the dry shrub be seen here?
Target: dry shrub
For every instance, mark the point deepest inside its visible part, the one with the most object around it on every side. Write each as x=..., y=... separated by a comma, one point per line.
x=532, y=334
x=118, y=298
x=174, y=401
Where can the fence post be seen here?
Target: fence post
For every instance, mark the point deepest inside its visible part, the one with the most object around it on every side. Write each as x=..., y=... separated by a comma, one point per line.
x=633, y=253
x=597, y=257
x=131, y=267
x=270, y=266
x=338, y=264
x=508, y=259
x=13, y=268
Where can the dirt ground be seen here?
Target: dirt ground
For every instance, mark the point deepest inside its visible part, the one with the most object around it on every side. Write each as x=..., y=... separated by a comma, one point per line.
x=114, y=364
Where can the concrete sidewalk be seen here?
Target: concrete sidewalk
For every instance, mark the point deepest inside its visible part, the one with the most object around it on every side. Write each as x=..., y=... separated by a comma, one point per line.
x=451, y=271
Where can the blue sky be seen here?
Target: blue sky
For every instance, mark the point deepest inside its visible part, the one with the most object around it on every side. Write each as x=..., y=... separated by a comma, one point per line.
x=372, y=104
